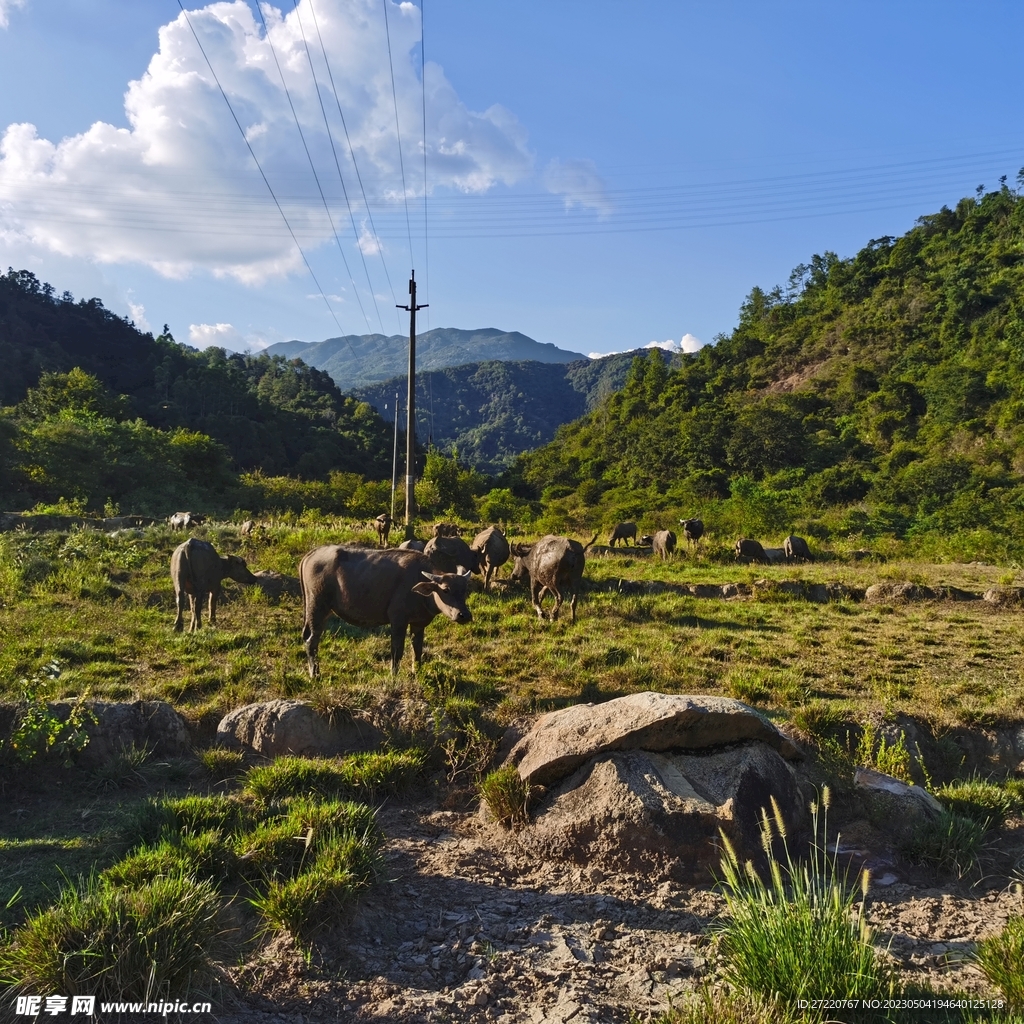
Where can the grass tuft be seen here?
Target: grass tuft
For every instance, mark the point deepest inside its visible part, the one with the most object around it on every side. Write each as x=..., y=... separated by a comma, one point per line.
x=203, y=855
x=1002, y=960
x=507, y=796
x=800, y=933
x=151, y=941
x=985, y=802
x=951, y=843
x=362, y=776
x=222, y=763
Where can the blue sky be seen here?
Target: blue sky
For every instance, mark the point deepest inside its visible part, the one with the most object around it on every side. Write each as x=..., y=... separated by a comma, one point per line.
x=600, y=175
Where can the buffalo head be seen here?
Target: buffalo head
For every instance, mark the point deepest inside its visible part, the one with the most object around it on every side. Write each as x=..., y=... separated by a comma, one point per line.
x=450, y=591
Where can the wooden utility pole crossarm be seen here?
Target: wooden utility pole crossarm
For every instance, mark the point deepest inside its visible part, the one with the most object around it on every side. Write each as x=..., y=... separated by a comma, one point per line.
x=410, y=411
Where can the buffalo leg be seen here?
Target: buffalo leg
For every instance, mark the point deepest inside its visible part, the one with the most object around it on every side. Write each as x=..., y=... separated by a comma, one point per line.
x=572, y=605
x=558, y=603
x=180, y=600
x=312, y=630
x=537, y=595
x=417, y=646
x=398, y=628
x=195, y=603
x=214, y=594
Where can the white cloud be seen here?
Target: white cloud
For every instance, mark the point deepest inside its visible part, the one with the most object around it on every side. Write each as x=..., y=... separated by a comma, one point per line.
x=690, y=343
x=178, y=190
x=6, y=6
x=579, y=183
x=138, y=312
x=219, y=335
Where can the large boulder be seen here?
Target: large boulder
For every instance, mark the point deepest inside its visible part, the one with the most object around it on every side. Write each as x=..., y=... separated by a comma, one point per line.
x=903, y=808
x=898, y=592
x=563, y=741
x=114, y=727
x=1005, y=595
x=274, y=584
x=642, y=811
x=276, y=727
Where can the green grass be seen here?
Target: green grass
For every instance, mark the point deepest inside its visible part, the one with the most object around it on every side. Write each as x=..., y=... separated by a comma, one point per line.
x=368, y=776
x=1002, y=960
x=150, y=941
x=507, y=796
x=222, y=764
x=802, y=932
x=985, y=802
x=951, y=843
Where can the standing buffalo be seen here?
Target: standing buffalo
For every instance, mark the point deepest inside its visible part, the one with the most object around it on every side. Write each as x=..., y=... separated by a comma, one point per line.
x=492, y=551
x=185, y=520
x=554, y=565
x=197, y=571
x=445, y=530
x=796, y=549
x=383, y=523
x=448, y=554
x=246, y=529
x=664, y=543
x=373, y=588
x=623, y=532
x=693, y=529
x=750, y=551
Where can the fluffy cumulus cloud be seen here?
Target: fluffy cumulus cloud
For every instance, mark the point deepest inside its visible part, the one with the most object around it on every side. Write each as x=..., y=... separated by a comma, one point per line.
x=221, y=335
x=689, y=343
x=178, y=189
x=579, y=184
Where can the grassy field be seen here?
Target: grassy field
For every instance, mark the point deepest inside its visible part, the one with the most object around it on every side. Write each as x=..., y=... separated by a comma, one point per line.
x=98, y=611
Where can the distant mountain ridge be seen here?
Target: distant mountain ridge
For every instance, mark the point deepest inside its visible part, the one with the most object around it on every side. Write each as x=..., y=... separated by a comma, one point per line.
x=355, y=360
x=494, y=410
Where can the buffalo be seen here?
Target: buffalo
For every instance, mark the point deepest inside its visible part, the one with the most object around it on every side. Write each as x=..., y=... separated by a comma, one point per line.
x=247, y=528
x=185, y=520
x=750, y=551
x=445, y=530
x=492, y=551
x=664, y=543
x=796, y=549
x=383, y=524
x=693, y=529
x=197, y=571
x=623, y=532
x=412, y=545
x=374, y=588
x=553, y=565
x=776, y=556
x=448, y=554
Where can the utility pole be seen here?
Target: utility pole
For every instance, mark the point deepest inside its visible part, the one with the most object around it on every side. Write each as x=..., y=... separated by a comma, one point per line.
x=394, y=462
x=410, y=411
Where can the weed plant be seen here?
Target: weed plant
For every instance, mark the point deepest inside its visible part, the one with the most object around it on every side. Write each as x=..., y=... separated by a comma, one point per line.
x=222, y=764
x=507, y=796
x=1002, y=959
x=714, y=1006
x=951, y=843
x=367, y=776
x=800, y=934
x=983, y=801
x=155, y=940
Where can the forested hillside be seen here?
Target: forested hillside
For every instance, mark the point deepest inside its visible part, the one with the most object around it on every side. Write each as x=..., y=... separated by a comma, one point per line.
x=490, y=412
x=883, y=393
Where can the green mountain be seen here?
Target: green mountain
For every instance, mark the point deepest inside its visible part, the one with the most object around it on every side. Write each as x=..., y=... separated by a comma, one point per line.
x=358, y=360
x=882, y=393
x=490, y=412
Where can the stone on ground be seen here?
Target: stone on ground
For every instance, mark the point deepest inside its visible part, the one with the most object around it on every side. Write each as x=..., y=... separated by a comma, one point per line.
x=152, y=724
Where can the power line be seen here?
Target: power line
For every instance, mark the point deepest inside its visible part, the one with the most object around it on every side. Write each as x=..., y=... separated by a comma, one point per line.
x=398, y=134
x=259, y=167
x=352, y=155
x=312, y=166
x=426, y=236
x=337, y=164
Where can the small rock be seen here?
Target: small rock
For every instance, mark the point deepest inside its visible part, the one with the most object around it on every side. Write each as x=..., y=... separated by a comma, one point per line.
x=939, y=948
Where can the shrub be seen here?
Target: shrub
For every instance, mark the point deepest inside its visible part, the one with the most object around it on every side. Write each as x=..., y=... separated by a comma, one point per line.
x=363, y=776
x=981, y=801
x=153, y=941
x=507, y=796
x=799, y=933
x=950, y=843
x=1002, y=960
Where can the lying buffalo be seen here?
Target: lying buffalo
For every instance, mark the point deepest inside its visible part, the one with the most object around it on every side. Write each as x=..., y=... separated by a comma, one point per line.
x=554, y=565
x=796, y=549
x=412, y=545
x=449, y=554
x=491, y=550
x=750, y=551
x=623, y=532
x=663, y=543
x=693, y=529
x=197, y=571
x=373, y=588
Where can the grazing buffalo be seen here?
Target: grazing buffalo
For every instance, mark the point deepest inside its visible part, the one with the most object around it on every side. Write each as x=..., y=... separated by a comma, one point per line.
x=448, y=554
x=554, y=565
x=246, y=529
x=197, y=571
x=796, y=549
x=664, y=543
x=693, y=529
x=185, y=520
x=750, y=551
x=646, y=540
x=492, y=551
x=412, y=545
x=623, y=532
x=445, y=530
x=374, y=588
x=383, y=524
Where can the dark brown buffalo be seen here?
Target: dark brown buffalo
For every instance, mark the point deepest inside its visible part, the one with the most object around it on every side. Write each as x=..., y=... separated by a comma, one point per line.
x=693, y=529
x=445, y=530
x=197, y=571
x=492, y=551
x=383, y=524
x=664, y=543
x=623, y=532
x=374, y=588
x=447, y=554
x=796, y=549
x=554, y=565
x=750, y=551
